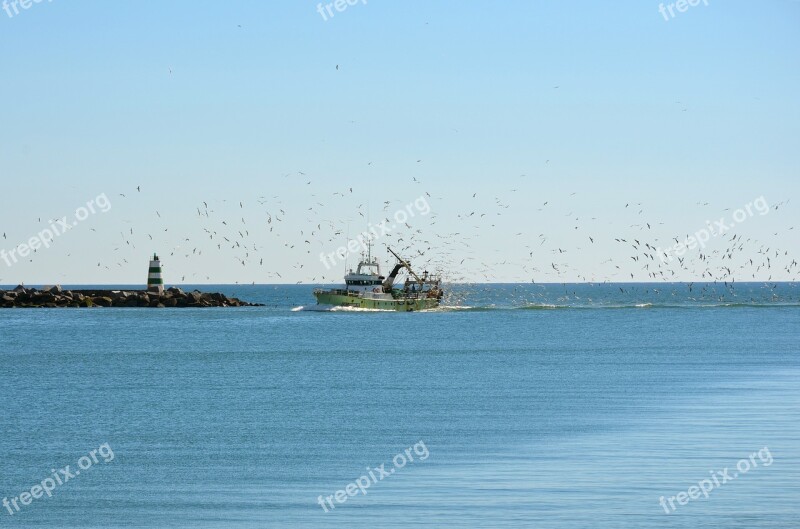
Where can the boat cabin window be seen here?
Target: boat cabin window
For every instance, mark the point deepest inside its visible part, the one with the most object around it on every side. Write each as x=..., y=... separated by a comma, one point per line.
x=368, y=268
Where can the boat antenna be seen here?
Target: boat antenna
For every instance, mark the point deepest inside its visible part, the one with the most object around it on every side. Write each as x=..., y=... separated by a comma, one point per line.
x=346, y=240
x=369, y=239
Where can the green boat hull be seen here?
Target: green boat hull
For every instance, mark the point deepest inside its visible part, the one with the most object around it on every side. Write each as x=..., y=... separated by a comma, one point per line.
x=399, y=304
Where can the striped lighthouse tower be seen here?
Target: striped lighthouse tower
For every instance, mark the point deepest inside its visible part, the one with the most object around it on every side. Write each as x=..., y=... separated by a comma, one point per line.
x=155, y=283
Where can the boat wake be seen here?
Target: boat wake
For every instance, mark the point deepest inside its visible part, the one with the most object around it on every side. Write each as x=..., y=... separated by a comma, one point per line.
x=618, y=306
x=332, y=308
x=549, y=306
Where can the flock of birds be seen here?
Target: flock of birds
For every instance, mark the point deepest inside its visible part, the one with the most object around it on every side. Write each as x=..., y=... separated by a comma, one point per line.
x=254, y=234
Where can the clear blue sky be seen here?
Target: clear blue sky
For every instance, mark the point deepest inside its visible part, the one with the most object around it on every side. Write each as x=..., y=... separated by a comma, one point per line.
x=587, y=106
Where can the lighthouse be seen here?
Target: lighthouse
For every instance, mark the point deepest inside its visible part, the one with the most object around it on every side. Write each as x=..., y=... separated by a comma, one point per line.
x=155, y=283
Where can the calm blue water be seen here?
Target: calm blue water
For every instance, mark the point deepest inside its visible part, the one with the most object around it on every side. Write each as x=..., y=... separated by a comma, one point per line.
x=562, y=406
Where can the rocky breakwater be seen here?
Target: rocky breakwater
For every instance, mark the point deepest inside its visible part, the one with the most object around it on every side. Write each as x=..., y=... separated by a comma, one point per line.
x=55, y=297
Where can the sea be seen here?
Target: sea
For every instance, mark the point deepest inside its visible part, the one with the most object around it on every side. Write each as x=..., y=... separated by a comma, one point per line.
x=511, y=406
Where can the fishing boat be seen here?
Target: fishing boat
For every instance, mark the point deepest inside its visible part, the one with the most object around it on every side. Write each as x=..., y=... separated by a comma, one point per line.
x=367, y=288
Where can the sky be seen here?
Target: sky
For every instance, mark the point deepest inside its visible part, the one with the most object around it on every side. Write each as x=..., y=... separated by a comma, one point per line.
x=545, y=141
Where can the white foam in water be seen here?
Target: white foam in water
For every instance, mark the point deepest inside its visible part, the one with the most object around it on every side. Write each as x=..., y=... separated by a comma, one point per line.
x=329, y=308
x=312, y=308
x=357, y=309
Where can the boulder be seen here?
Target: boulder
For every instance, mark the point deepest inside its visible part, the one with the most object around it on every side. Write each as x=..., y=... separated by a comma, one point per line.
x=40, y=298
x=23, y=297
x=103, y=301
